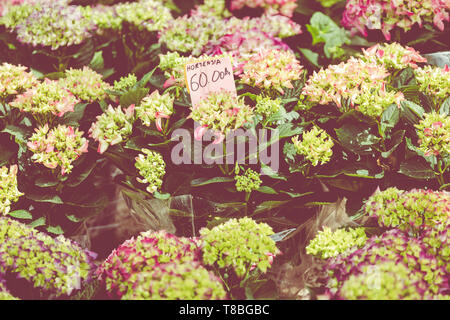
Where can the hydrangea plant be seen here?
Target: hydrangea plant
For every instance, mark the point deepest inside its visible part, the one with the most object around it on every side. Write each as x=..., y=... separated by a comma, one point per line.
x=155, y=107
x=316, y=146
x=413, y=210
x=125, y=83
x=272, y=70
x=248, y=181
x=357, y=83
x=393, y=246
x=14, y=80
x=112, y=127
x=46, y=100
x=55, y=265
x=394, y=56
x=175, y=281
x=329, y=243
x=435, y=82
x=86, y=84
x=285, y=7
x=147, y=252
x=9, y=193
x=151, y=167
x=240, y=245
x=59, y=146
x=220, y=112
x=434, y=134
x=386, y=15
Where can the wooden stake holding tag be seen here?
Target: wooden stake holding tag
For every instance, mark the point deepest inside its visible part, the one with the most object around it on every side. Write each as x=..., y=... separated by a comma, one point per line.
x=209, y=75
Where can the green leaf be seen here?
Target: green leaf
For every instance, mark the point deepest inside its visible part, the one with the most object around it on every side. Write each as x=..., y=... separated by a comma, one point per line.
x=82, y=171
x=133, y=97
x=21, y=214
x=296, y=195
x=45, y=182
x=73, y=118
x=55, y=230
x=357, y=138
x=324, y=29
x=311, y=56
x=267, y=190
x=144, y=80
x=389, y=119
x=205, y=181
x=417, y=168
x=445, y=107
x=269, y=205
x=55, y=75
x=72, y=218
x=38, y=222
x=44, y=197
x=411, y=112
x=396, y=140
x=268, y=171
x=161, y=196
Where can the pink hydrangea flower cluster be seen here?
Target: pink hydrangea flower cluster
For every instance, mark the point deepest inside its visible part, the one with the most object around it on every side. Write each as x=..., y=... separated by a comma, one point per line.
x=272, y=70
x=46, y=99
x=394, y=56
x=385, y=15
x=361, y=83
x=149, y=251
x=60, y=146
x=285, y=7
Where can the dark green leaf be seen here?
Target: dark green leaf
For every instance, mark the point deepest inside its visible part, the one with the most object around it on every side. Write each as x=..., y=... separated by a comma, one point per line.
x=445, y=107
x=396, y=140
x=389, y=119
x=204, y=181
x=133, y=97
x=357, y=138
x=21, y=214
x=55, y=230
x=411, y=112
x=38, y=222
x=161, y=196
x=73, y=118
x=416, y=168
x=312, y=56
x=45, y=182
x=44, y=197
x=267, y=190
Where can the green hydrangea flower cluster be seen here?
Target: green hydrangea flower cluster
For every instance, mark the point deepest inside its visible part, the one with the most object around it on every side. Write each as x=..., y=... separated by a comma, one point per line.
x=241, y=245
x=393, y=56
x=266, y=106
x=14, y=80
x=272, y=71
x=52, y=23
x=151, y=167
x=85, y=84
x=434, y=82
x=46, y=100
x=9, y=193
x=284, y=7
x=221, y=112
x=412, y=211
x=329, y=243
x=60, y=146
x=149, y=251
x=173, y=66
x=213, y=7
x=175, y=281
x=384, y=281
x=125, y=83
x=154, y=107
x=248, y=181
x=145, y=14
x=358, y=82
x=105, y=18
x=112, y=127
x=192, y=33
x=57, y=266
x=316, y=146
x=427, y=270
x=434, y=134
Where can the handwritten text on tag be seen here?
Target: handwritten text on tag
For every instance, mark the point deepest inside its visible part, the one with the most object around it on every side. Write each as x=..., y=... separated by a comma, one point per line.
x=211, y=75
